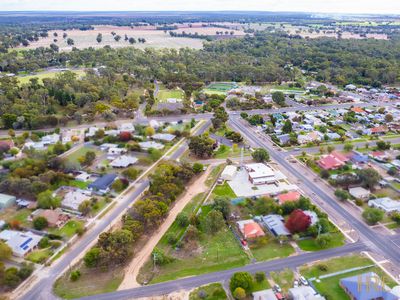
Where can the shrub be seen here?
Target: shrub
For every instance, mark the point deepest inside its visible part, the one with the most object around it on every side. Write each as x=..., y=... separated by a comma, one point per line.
x=74, y=276
x=40, y=223
x=239, y=293
x=243, y=280
x=323, y=267
x=44, y=243
x=260, y=276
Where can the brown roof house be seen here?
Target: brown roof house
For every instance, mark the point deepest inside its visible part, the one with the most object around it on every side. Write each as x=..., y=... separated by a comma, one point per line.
x=55, y=218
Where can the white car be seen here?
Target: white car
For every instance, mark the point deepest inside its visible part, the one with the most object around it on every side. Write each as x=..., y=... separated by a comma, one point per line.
x=296, y=283
x=303, y=280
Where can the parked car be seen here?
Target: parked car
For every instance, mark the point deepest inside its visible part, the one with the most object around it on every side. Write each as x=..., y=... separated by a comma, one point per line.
x=277, y=288
x=303, y=280
x=279, y=296
x=296, y=283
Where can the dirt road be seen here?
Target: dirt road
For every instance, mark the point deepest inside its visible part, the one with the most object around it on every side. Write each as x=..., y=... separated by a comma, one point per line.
x=132, y=270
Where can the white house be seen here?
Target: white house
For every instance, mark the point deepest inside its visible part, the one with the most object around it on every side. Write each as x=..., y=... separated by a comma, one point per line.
x=123, y=161
x=359, y=193
x=126, y=127
x=165, y=137
x=50, y=139
x=114, y=151
x=150, y=144
x=386, y=204
x=20, y=242
x=260, y=173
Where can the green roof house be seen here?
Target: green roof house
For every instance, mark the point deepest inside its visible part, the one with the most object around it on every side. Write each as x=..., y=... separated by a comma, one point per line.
x=6, y=200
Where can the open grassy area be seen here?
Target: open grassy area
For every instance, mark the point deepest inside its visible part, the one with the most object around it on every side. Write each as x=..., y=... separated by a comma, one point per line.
x=72, y=159
x=68, y=230
x=330, y=286
x=21, y=215
x=47, y=74
x=214, y=174
x=272, y=249
x=310, y=244
x=39, y=256
x=259, y=286
x=79, y=184
x=223, y=190
x=215, y=253
x=228, y=152
x=284, y=278
x=164, y=95
x=213, y=291
x=91, y=282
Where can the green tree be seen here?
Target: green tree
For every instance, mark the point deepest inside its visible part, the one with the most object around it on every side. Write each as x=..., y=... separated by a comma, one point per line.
x=287, y=127
x=201, y=145
x=239, y=293
x=46, y=200
x=260, y=155
x=5, y=251
x=323, y=240
x=40, y=223
x=260, y=277
x=182, y=219
x=342, y=194
x=92, y=257
x=243, y=280
x=278, y=98
x=348, y=147
x=372, y=215
x=369, y=177
x=214, y=221
x=197, y=167
x=131, y=173
x=223, y=205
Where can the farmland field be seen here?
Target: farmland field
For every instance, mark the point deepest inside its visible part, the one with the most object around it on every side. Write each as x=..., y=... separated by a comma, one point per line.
x=154, y=38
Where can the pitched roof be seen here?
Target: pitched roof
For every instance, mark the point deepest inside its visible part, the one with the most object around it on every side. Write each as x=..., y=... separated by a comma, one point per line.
x=103, y=182
x=379, y=129
x=252, y=230
x=357, y=109
x=330, y=162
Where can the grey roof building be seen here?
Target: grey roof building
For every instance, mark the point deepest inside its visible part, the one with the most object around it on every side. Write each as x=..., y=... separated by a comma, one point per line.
x=275, y=224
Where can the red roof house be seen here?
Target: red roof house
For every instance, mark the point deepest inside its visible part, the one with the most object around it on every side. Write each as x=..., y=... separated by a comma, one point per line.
x=331, y=162
x=379, y=129
x=250, y=229
x=289, y=196
x=357, y=110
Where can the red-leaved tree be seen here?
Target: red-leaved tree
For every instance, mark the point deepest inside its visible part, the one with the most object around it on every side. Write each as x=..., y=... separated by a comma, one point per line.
x=298, y=221
x=125, y=136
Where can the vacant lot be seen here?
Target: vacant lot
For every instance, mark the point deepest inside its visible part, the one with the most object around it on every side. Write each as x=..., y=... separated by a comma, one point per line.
x=164, y=95
x=154, y=38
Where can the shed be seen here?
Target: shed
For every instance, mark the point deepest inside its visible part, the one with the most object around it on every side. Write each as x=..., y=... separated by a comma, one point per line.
x=7, y=200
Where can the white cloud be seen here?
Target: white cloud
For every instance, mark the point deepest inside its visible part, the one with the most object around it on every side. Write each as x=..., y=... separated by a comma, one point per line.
x=330, y=6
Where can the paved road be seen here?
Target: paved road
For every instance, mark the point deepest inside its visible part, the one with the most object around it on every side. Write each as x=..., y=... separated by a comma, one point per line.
x=379, y=244
x=43, y=288
x=195, y=281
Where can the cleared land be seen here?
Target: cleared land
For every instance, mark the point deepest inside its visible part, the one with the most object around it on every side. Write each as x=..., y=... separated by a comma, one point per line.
x=46, y=74
x=154, y=38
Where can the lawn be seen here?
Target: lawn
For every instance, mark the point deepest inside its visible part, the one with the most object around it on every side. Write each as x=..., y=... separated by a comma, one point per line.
x=68, y=230
x=330, y=286
x=215, y=253
x=79, y=184
x=164, y=95
x=259, y=286
x=47, y=74
x=272, y=249
x=72, y=159
x=227, y=152
x=91, y=282
x=39, y=256
x=284, y=279
x=310, y=244
x=213, y=291
x=224, y=190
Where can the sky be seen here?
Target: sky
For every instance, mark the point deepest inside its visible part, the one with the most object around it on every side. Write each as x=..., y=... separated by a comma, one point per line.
x=323, y=6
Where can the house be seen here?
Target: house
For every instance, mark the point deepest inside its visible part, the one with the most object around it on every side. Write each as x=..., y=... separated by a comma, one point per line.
x=112, y=132
x=359, y=193
x=34, y=145
x=304, y=292
x=50, y=139
x=92, y=131
x=350, y=87
x=102, y=185
x=250, y=229
x=106, y=146
x=378, y=130
x=150, y=144
x=264, y=295
x=379, y=156
x=331, y=162
x=368, y=286
x=387, y=204
x=165, y=137
x=260, y=173
x=357, y=110
x=82, y=176
x=155, y=124
x=287, y=197
x=275, y=224
x=73, y=198
x=126, y=127
x=7, y=200
x=71, y=135
x=358, y=158
x=229, y=172
x=20, y=243
x=123, y=161
x=333, y=136
x=114, y=151
x=283, y=139
x=55, y=218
